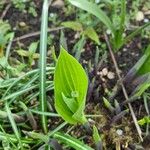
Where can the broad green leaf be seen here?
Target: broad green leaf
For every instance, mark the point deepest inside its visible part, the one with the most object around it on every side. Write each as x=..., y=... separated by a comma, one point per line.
x=95, y=10
x=76, y=26
x=70, y=84
x=71, y=141
x=91, y=33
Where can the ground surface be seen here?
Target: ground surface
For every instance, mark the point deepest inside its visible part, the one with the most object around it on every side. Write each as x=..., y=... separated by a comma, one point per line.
x=109, y=124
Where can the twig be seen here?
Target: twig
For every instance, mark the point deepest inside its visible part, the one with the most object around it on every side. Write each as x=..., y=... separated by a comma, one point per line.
x=123, y=88
x=36, y=34
x=5, y=11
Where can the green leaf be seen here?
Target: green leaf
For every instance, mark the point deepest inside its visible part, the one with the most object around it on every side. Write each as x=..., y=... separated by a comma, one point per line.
x=37, y=136
x=91, y=33
x=95, y=10
x=96, y=135
x=144, y=120
x=142, y=66
x=140, y=72
x=78, y=47
x=108, y=104
x=63, y=40
x=71, y=141
x=70, y=102
x=70, y=84
x=137, y=31
x=23, y=53
x=13, y=123
x=42, y=63
x=143, y=85
x=145, y=67
x=33, y=47
x=76, y=26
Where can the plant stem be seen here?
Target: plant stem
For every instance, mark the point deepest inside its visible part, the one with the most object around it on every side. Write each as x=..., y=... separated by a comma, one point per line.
x=42, y=63
x=123, y=88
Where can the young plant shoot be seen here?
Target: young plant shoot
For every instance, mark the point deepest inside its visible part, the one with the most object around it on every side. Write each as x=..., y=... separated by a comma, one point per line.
x=70, y=88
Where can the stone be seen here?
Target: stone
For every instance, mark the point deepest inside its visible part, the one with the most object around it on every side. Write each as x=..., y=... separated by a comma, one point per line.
x=139, y=16
x=110, y=75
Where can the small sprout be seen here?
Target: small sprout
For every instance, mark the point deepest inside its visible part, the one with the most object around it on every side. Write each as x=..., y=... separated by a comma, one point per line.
x=108, y=104
x=97, y=138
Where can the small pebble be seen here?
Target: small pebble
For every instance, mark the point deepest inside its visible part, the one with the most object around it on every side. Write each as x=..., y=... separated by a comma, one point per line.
x=108, y=31
x=51, y=15
x=91, y=121
x=119, y=53
x=119, y=132
x=124, y=49
x=103, y=79
x=110, y=75
x=139, y=16
x=77, y=35
x=97, y=1
x=99, y=73
x=136, y=55
x=22, y=24
x=146, y=20
x=85, y=62
x=147, y=12
x=58, y=4
x=104, y=71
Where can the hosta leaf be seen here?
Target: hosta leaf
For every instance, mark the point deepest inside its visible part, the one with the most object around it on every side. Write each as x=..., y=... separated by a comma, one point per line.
x=70, y=88
x=71, y=103
x=95, y=10
x=71, y=141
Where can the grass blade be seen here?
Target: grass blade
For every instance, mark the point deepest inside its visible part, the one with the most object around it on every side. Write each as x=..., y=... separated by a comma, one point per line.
x=72, y=142
x=42, y=63
x=95, y=10
x=137, y=31
x=13, y=123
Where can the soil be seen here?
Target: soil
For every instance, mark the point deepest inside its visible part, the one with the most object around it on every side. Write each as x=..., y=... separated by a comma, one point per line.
x=108, y=124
